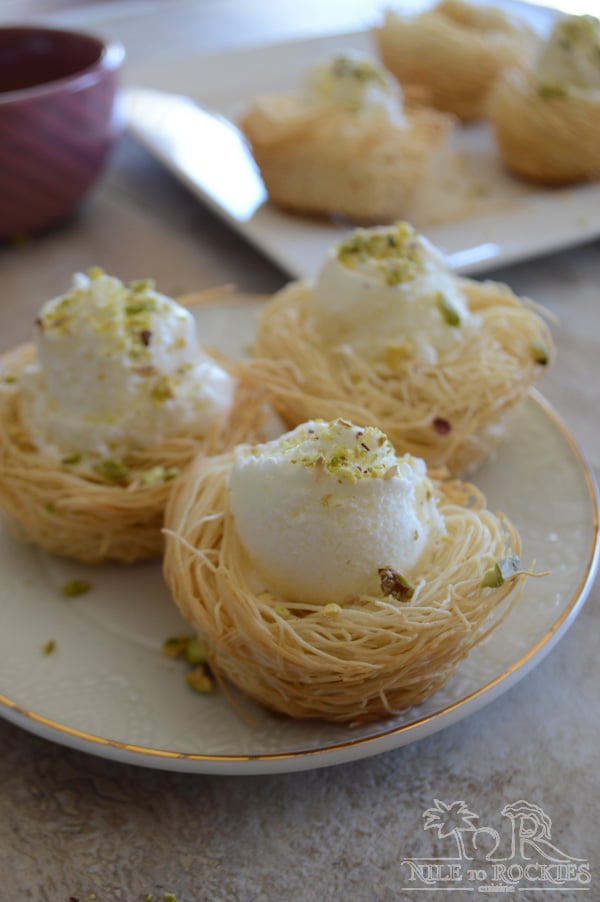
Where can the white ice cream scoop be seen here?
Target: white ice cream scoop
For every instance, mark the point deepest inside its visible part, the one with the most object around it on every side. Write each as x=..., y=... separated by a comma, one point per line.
x=118, y=367
x=357, y=84
x=387, y=290
x=324, y=510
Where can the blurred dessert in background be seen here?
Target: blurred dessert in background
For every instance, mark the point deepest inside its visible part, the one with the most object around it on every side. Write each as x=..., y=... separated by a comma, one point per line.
x=547, y=117
x=345, y=145
x=452, y=53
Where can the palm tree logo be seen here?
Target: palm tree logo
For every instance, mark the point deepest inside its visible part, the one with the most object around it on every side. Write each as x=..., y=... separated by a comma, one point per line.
x=452, y=819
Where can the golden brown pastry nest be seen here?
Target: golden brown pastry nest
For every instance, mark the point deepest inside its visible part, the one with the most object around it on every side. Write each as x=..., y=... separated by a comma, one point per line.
x=75, y=511
x=336, y=162
x=361, y=660
x=451, y=413
x=453, y=53
x=545, y=135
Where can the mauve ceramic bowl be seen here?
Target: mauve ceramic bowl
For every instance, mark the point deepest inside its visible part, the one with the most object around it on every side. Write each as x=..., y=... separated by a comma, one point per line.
x=58, y=121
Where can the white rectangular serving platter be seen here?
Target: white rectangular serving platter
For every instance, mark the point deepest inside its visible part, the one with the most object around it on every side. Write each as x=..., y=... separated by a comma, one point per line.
x=184, y=113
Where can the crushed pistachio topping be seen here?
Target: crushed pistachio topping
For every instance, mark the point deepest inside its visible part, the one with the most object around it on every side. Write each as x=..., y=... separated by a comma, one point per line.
x=356, y=84
x=158, y=474
x=50, y=507
x=193, y=651
x=9, y=379
x=361, y=69
x=397, y=252
x=163, y=390
x=394, y=584
x=340, y=449
x=447, y=309
x=48, y=647
x=540, y=353
x=548, y=91
x=73, y=458
x=175, y=646
x=502, y=570
x=199, y=680
x=114, y=470
x=331, y=610
x=126, y=311
x=75, y=587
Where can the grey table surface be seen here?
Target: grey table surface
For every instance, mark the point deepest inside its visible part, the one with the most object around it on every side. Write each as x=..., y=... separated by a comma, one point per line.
x=76, y=826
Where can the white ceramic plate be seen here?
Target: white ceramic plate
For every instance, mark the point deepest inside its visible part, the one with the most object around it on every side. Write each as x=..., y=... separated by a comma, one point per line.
x=107, y=689
x=503, y=221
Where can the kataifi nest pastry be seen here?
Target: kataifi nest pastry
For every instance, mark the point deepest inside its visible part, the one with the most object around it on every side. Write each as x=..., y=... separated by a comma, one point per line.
x=331, y=578
x=345, y=146
x=452, y=54
x=547, y=118
x=388, y=336
x=101, y=415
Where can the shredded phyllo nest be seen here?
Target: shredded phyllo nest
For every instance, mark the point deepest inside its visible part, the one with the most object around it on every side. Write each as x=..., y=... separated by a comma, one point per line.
x=108, y=509
x=452, y=413
x=364, y=658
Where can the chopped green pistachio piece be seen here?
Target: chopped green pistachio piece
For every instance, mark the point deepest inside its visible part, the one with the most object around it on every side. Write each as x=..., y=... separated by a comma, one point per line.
x=159, y=474
x=170, y=897
x=50, y=507
x=9, y=379
x=49, y=646
x=140, y=305
x=199, y=680
x=394, y=584
x=141, y=285
x=362, y=70
x=114, y=470
x=154, y=475
x=282, y=611
x=448, y=311
x=76, y=587
x=73, y=458
x=502, y=570
x=175, y=646
x=163, y=390
x=540, y=352
x=492, y=578
x=478, y=189
x=195, y=652
x=550, y=91
x=332, y=610
x=95, y=272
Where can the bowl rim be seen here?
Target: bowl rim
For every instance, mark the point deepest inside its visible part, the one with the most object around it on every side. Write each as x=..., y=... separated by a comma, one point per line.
x=111, y=57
